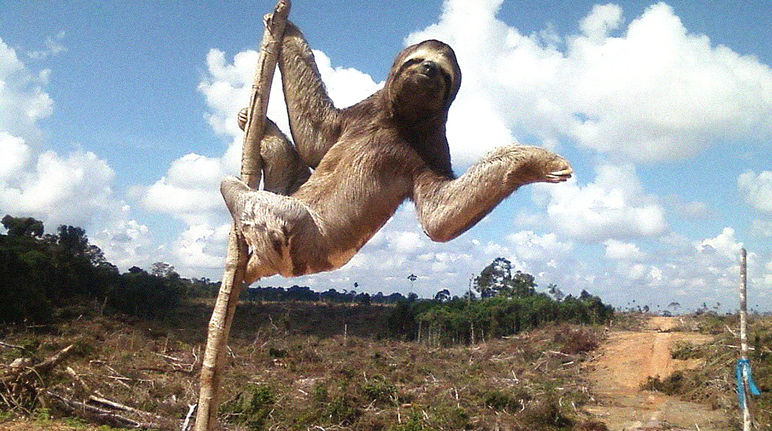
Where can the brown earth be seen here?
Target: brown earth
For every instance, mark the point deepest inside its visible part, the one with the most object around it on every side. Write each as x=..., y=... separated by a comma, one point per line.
x=627, y=359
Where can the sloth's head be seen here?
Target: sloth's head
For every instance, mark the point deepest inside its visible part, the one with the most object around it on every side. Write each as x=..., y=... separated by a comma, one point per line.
x=423, y=80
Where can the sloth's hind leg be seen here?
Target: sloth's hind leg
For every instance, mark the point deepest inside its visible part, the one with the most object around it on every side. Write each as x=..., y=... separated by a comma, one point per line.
x=282, y=234
x=283, y=169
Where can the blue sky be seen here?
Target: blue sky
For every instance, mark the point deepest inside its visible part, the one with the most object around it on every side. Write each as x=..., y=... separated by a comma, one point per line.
x=118, y=117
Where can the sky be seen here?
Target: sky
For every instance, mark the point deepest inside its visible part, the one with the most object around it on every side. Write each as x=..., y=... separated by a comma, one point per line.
x=119, y=117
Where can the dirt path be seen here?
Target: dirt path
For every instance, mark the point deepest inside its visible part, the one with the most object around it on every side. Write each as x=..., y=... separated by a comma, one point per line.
x=626, y=360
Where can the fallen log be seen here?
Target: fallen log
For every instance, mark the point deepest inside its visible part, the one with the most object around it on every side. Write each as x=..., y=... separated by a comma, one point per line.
x=100, y=415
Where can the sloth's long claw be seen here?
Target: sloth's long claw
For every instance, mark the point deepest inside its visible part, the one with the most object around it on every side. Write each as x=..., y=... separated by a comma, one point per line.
x=559, y=176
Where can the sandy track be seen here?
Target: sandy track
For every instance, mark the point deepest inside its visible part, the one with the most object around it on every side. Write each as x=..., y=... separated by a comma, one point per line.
x=627, y=359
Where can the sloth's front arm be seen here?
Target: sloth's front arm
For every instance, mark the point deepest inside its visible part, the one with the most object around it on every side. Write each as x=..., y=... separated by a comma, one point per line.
x=448, y=207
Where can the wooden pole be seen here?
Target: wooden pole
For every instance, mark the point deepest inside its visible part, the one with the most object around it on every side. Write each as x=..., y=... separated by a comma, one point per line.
x=747, y=420
x=236, y=257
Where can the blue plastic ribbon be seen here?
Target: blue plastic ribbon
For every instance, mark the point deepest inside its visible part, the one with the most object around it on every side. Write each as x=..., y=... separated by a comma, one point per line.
x=744, y=365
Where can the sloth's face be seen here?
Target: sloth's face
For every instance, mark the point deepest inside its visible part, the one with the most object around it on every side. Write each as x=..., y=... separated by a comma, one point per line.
x=424, y=78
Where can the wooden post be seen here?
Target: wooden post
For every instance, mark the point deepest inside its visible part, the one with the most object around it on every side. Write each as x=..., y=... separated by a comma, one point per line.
x=236, y=257
x=747, y=420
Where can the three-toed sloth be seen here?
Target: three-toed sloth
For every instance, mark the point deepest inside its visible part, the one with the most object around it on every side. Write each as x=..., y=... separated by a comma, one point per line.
x=366, y=160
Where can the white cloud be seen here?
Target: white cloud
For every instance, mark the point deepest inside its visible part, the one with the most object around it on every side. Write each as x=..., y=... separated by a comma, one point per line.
x=22, y=99
x=656, y=92
x=53, y=46
x=602, y=20
x=125, y=241
x=189, y=191
x=15, y=155
x=346, y=86
x=200, y=248
x=59, y=189
x=614, y=206
x=723, y=244
x=73, y=188
x=407, y=242
x=530, y=246
x=618, y=250
x=756, y=189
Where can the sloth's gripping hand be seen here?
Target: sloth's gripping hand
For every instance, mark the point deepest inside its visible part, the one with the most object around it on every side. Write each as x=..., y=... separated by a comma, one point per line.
x=534, y=164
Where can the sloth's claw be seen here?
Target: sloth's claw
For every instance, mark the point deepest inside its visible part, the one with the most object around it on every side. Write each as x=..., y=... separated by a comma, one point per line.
x=559, y=176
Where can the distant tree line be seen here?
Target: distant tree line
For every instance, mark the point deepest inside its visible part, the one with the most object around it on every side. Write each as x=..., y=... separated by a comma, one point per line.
x=508, y=304
x=304, y=293
x=41, y=273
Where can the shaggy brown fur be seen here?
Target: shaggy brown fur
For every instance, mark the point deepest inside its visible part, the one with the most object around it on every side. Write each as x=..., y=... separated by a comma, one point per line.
x=367, y=160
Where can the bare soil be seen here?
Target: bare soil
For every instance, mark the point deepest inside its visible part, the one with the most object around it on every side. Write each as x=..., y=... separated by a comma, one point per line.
x=625, y=362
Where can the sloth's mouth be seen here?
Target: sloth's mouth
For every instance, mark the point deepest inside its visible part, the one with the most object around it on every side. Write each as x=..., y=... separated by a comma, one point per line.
x=428, y=81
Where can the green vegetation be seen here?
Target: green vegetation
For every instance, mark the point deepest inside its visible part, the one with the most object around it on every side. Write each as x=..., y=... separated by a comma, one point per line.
x=41, y=275
x=509, y=305
x=250, y=407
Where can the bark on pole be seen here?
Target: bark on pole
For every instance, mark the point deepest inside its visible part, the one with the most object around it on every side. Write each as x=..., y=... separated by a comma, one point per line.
x=236, y=257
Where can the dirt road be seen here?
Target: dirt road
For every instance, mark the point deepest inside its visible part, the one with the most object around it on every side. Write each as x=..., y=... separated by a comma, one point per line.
x=626, y=360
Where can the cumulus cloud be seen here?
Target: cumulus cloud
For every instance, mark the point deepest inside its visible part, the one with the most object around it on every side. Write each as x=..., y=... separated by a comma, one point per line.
x=201, y=247
x=23, y=101
x=73, y=188
x=125, y=241
x=531, y=247
x=676, y=268
x=756, y=189
x=189, y=191
x=724, y=244
x=618, y=250
x=613, y=206
x=651, y=91
x=15, y=155
x=59, y=189
x=601, y=21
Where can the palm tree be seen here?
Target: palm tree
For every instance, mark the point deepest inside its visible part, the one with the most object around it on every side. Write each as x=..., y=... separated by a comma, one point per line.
x=412, y=278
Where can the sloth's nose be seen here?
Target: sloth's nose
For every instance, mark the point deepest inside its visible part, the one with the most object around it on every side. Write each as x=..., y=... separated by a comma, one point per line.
x=429, y=68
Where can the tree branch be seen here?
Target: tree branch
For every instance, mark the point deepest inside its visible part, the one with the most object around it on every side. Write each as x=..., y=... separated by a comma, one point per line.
x=236, y=257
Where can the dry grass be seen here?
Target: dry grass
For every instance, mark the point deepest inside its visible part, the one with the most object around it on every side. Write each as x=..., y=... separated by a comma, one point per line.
x=291, y=368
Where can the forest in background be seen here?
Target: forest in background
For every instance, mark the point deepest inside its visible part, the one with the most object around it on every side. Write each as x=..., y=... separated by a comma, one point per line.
x=43, y=275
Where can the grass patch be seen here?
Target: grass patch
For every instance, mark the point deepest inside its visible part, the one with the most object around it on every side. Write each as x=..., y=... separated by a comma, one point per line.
x=683, y=350
x=671, y=385
x=250, y=407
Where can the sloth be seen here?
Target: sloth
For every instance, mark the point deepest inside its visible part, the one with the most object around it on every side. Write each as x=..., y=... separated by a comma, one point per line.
x=346, y=171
